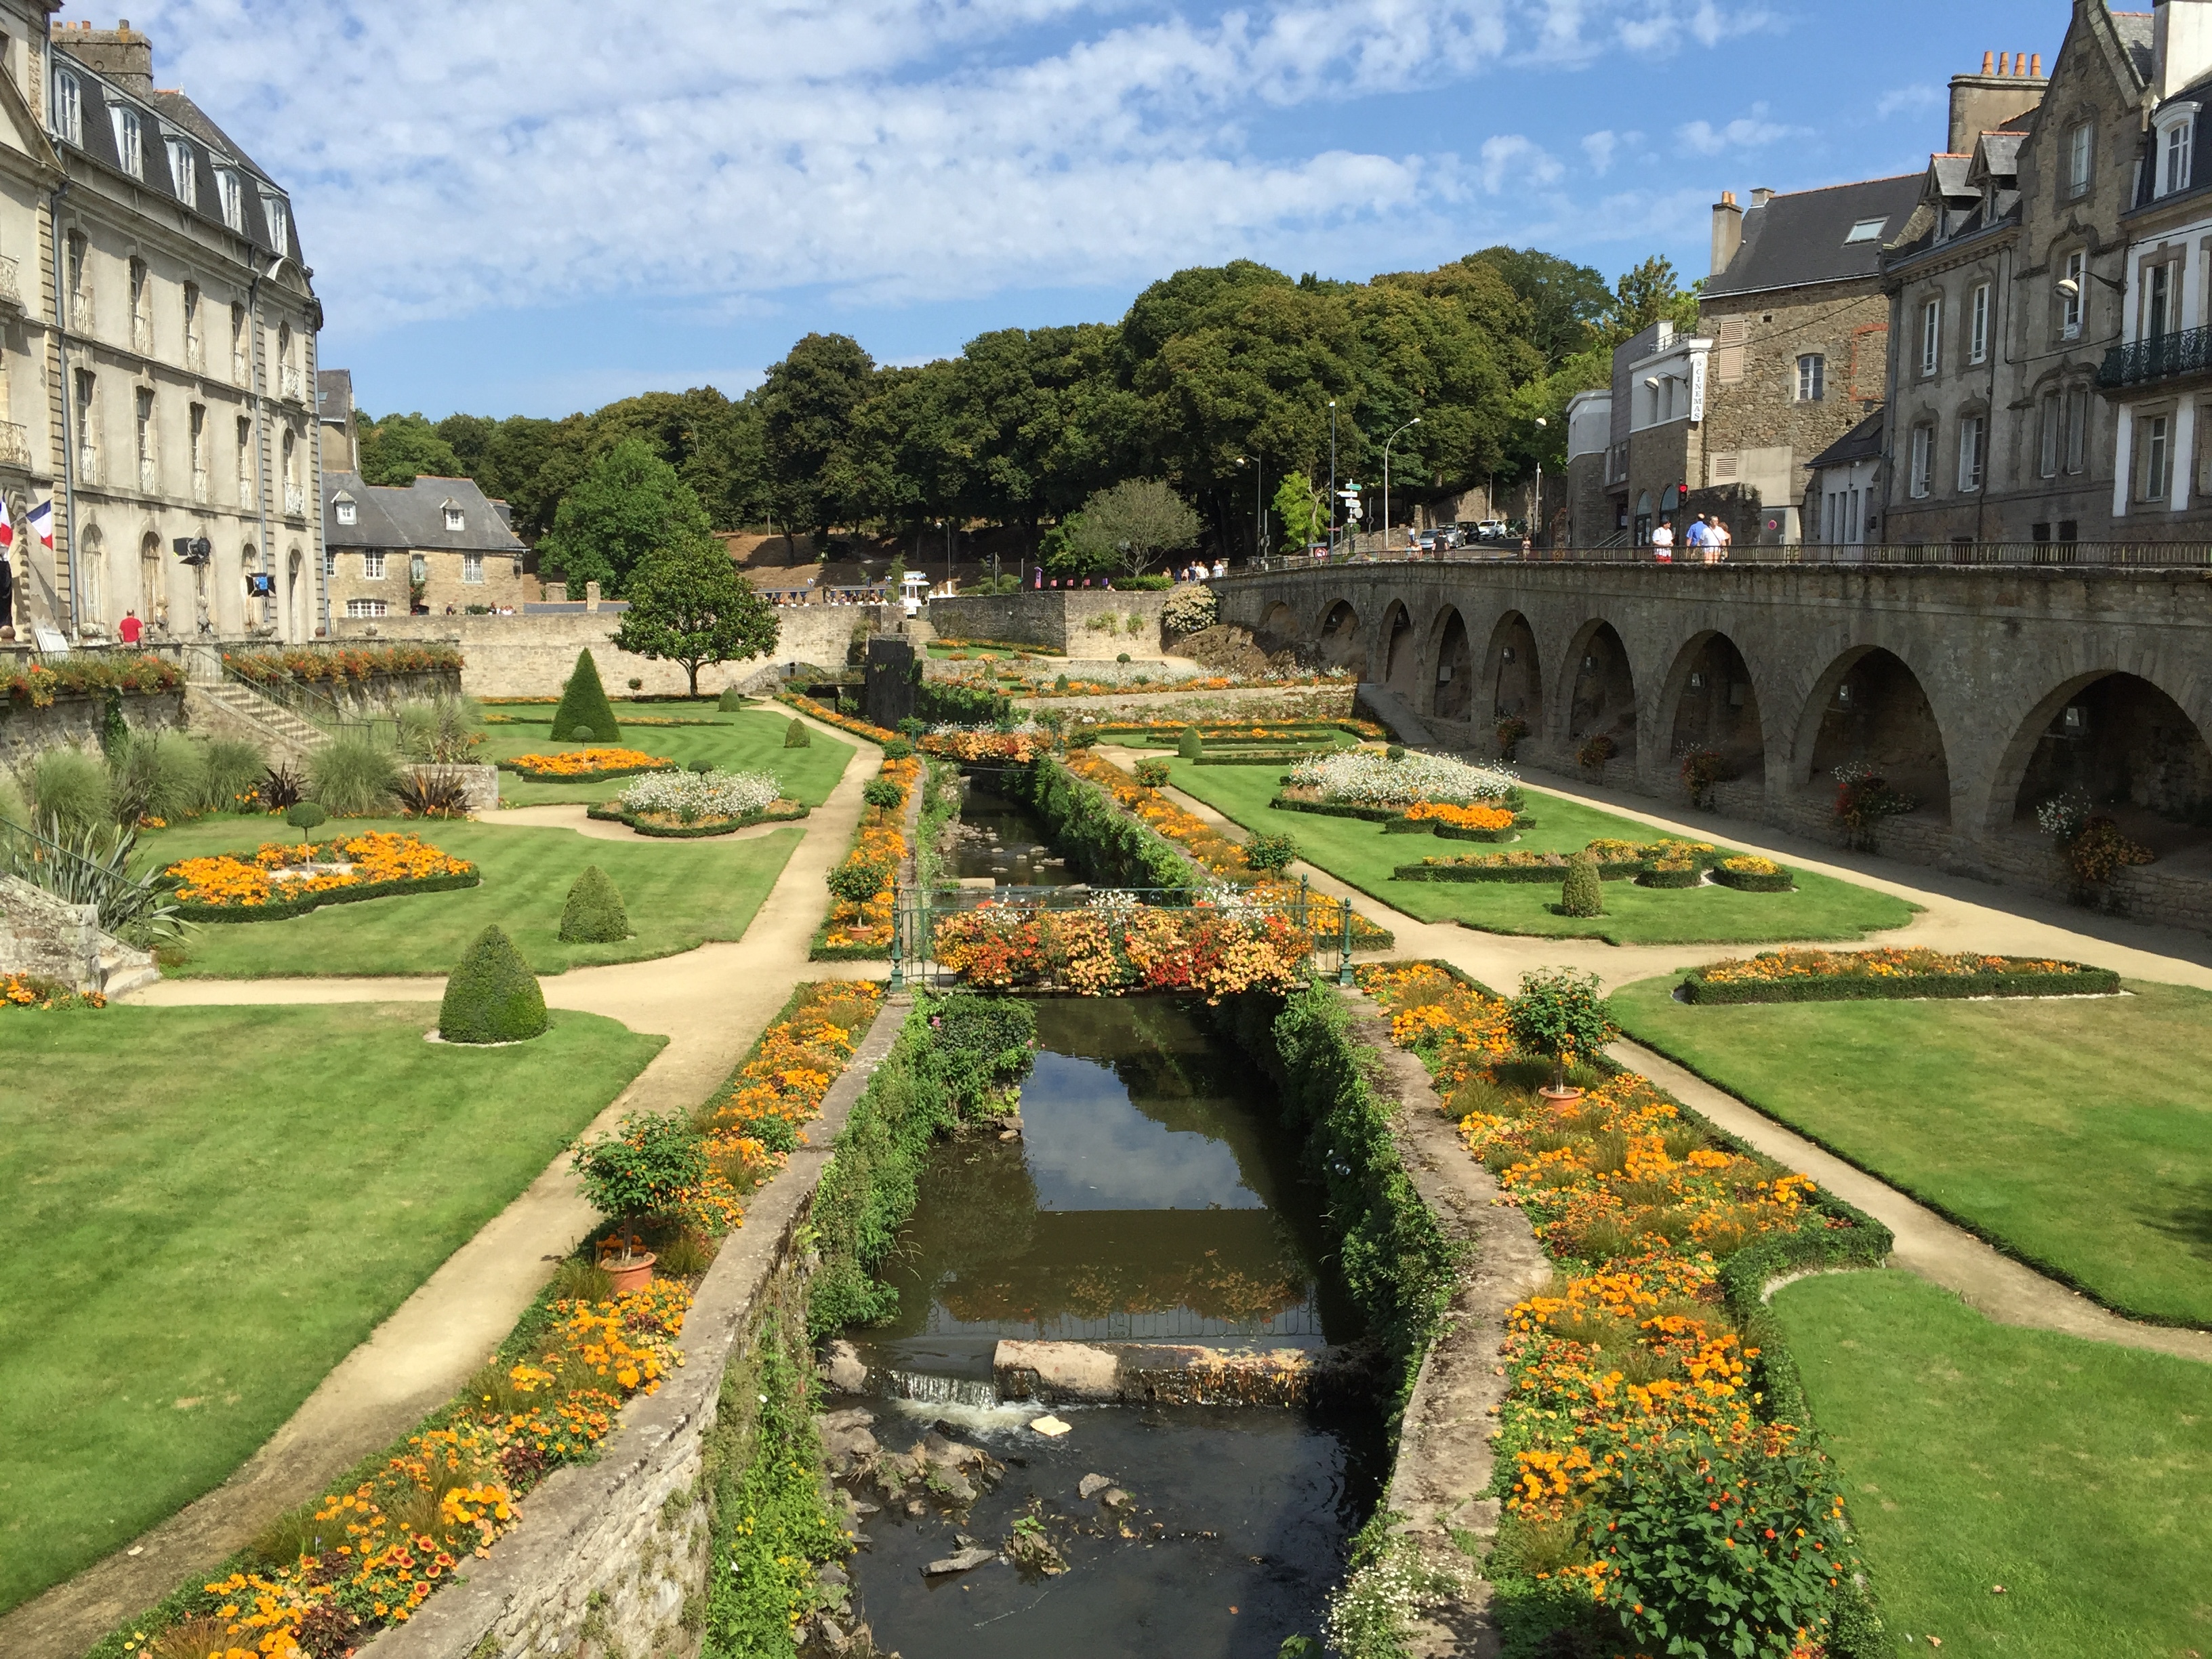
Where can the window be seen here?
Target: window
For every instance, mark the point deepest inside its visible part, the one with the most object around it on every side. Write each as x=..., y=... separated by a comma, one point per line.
x=238, y=343
x=365, y=607
x=1978, y=324
x=372, y=567
x=1932, y=335
x=145, y=434
x=1812, y=377
x=141, y=320
x=2179, y=141
x=1923, y=461
x=245, y=461
x=329, y=564
x=194, y=357
x=1972, y=431
x=348, y=512
x=471, y=566
x=2070, y=313
x=2078, y=434
x=2158, y=302
x=80, y=284
x=455, y=518
x=2081, y=149
x=184, y=173
x=130, y=147
x=1867, y=230
x=418, y=568
x=2053, y=437
x=232, y=189
x=69, y=108
x=2156, y=461
x=279, y=223
x=87, y=456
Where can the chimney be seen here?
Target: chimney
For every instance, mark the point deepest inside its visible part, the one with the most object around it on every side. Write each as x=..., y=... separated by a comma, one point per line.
x=2181, y=44
x=1761, y=196
x=1728, y=231
x=2009, y=85
x=122, y=54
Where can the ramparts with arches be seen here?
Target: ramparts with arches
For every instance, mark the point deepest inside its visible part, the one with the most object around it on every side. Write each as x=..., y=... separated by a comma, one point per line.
x=1980, y=692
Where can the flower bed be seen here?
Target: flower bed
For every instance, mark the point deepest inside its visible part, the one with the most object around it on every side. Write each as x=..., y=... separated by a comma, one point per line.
x=1817, y=975
x=1015, y=748
x=829, y=716
x=1754, y=875
x=1362, y=777
x=780, y=1086
x=33, y=991
x=585, y=765
x=1016, y=646
x=347, y=663
x=1452, y=823
x=681, y=806
x=1617, y=861
x=1660, y=1473
x=291, y=878
x=1215, y=947
x=859, y=928
x=37, y=685
x=1155, y=733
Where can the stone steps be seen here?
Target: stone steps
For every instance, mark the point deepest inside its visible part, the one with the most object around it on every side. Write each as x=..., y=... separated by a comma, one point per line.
x=228, y=708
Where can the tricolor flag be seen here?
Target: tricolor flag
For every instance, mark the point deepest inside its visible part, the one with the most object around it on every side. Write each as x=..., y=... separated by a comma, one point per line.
x=42, y=523
x=7, y=527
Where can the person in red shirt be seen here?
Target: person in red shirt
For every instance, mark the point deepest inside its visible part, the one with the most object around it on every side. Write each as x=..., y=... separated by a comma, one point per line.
x=131, y=629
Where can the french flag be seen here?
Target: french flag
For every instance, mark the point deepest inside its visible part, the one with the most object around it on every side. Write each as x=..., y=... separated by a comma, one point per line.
x=42, y=523
x=7, y=527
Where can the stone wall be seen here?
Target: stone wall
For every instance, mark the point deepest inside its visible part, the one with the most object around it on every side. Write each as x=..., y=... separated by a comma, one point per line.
x=40, y=934
x=532, y=654
x=611, y=1559
x=77, y=722
x=1059, y=618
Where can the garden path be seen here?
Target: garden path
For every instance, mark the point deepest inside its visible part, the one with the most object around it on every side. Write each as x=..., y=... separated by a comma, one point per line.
x=711, y=1004
x=1986, y=1278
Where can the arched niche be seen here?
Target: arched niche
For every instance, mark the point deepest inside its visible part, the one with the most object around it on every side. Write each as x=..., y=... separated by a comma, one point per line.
x=1870, y=709
x=1601, y=694
x=1280, y=627
x=1513, y=674
x=1341, y=644
x=1454, y=655
x=2130, y=749
x=1402, y=670
x=1712, y=703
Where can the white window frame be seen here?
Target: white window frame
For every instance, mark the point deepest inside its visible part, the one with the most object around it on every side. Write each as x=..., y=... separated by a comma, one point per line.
x=1922, y=478
x=473, y=567
x=348, y=512
x=1866, y=230
x=2080, y=158
x=2157, y=440
x=230, y=188
x=68, y=107
x=1973, y=446
x=456, y=519
x=2161, y=299
x=1978, y=323
x=367, y=608
x=2050, y=440
x=184, y=173
x=280, y=223
x=330, y=562
x=130, y=140
x=1931, y=335
x=372, y=567
x=2177, y=145
x=1812, y=377
x=2071, y=307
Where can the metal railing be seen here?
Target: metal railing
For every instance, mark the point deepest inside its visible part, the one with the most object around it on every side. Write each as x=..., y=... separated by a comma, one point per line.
x=88, y=464
x=293, y=384
x=318, y=709
x=2162, y=356
x=200, y=485
x=295, y=501
x=149, y=474
x=81, y=314
x=141, y=335
x=2089, y=555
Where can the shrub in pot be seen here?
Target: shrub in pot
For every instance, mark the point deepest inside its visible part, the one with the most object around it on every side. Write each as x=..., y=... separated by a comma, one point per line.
x=649, y=1167
x=492, y=996
x=594, y=914
x=1561, y=1017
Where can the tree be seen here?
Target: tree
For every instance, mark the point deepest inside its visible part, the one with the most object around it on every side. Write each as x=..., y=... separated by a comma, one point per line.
x=806, y=406
x=1299, y=505
x=1647, y=295
x=1562, y=1015
x=688, y=604
x=584, y=714
x=1133, y=524
x=629, y=505
x=401, y=448
x=1566, y=303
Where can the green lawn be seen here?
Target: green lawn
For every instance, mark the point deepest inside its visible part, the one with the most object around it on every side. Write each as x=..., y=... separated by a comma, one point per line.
x=680, y=895
x=1974, y=1454
x=744, y=742
x=2076, y=1133
x=209, y=1207
x=1360, y=853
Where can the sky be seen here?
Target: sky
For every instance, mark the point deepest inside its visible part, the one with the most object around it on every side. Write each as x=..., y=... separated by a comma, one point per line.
x=537, y=206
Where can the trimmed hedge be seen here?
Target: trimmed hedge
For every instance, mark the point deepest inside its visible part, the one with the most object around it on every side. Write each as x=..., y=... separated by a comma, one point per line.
x=492, y=996
x=1655, y=876
x=2090, y=982
x=1114, y=849
x=1782, y=881
x=614, y=812
x=1443, y=831
x=1525, y=872
x=1336, y=809
x=287, y=909
x=584, y=706
x=1257, y=756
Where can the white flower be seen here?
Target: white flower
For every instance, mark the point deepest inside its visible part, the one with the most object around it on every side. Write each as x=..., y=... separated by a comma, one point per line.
x=691, y=796
x=1364, y=777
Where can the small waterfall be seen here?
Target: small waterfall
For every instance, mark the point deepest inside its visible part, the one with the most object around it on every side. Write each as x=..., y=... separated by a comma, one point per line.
x=979, y=1393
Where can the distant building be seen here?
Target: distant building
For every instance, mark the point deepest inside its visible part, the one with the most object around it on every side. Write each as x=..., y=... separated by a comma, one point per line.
x=436, y=545
x=1843, y=508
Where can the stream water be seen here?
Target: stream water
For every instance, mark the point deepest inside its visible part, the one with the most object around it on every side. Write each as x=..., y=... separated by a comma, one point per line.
x=1152, y=1195
x=997, y=836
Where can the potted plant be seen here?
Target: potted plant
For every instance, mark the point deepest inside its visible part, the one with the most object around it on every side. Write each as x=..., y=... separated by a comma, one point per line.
x=648, y=1168
x=1560, y=1016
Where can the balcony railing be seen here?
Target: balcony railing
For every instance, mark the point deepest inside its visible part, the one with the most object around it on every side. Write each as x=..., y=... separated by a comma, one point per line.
x=295, y=501
x=195, y=353
x=200, y=485
x=141, y=335
x=80, y=312
x=15, y=445
x=293, y=384
x=237, y=366
x=2161, y=357
x=88, y=464
x=149, y=474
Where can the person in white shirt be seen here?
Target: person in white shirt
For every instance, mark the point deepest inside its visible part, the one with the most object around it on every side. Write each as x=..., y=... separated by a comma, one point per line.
x=1663, y=542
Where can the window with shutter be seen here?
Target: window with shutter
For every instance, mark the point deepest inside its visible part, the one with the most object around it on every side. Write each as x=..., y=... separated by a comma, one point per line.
x=1729, y=351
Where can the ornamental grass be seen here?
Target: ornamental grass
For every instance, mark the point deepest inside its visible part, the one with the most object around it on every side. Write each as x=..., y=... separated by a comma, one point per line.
x=1630, y=1384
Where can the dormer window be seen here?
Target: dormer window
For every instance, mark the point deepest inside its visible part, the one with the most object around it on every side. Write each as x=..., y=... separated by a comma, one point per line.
x=130, y=147
x=348, y=511
x=232, y=189
x=184, y=173
x=69, y=108
x=2177, y=147
x=1867, y=230
x=456, y=521
x=279, y=223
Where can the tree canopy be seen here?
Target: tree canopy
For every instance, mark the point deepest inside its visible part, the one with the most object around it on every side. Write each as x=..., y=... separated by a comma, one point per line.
x=629, y=505
x=688, y=605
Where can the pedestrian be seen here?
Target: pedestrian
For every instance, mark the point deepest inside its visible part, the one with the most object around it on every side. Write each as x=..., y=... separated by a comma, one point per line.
x=1662, y=543
x=1698, y=536
x=1220, y=568
x=130, y=630
x=1718, y=548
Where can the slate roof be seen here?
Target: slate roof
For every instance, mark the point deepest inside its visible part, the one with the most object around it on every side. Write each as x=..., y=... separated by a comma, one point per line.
x=2134, y=29
x=413, y=516
x=1861, y=443
x=163, y=115
x=1797, y=239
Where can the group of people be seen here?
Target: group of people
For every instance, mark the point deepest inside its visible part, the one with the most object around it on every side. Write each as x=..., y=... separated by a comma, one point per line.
x=1705, y=542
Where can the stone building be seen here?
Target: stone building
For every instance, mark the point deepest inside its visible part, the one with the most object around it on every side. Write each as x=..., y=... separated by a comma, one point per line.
x=2006, y=294
x=1593, y=518
x=157, y=335
x=438, y=546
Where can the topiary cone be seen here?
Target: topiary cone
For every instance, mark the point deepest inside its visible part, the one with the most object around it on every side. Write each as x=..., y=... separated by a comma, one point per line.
x=1584, y=892
x=583, y=704
x=492, y=996
x=594, y=913
x=1189, y=746
x=796, y=735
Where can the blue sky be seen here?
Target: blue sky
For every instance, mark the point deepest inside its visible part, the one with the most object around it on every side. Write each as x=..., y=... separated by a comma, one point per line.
x=534, y=206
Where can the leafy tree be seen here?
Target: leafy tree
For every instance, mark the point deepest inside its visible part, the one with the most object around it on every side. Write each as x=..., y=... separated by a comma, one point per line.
x=629, y=505
x=401, y=448
x=688, y=605
x=1648, y=294
x=807, y=404
x=1300, y=504
x=1132, y=524
x=1565, y=304
x=1561, y=1015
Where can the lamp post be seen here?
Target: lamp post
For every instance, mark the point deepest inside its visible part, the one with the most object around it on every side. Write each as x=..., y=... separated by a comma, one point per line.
x=1387, y=442
x=1332, y=477
x=1259, y=517
x=1536, y=513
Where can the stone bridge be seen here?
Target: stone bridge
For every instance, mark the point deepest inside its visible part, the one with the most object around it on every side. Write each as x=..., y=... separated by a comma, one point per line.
x=1982, y=692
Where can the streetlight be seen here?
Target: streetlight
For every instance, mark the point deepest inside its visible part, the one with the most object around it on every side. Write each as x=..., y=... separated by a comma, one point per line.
x=1332, y=477
x=1259, y=513
x=1387, y=442
x=1536, y=516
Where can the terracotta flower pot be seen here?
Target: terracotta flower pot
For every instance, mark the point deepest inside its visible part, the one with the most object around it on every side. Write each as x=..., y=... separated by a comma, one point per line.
x=1560, y=1098
x=630, y=1273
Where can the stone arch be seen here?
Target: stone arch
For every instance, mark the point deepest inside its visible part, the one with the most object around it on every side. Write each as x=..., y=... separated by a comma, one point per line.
x=1452, y=694
x=1401, y=652
x=1601, y=688
x=2124, y=742
x=1341, y=646
x=1869, y=707
x=1514, y=673
x=1280, y=624
x=1709, y=700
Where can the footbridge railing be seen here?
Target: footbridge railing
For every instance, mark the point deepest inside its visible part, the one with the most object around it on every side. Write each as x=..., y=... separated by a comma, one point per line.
x=2136, y=556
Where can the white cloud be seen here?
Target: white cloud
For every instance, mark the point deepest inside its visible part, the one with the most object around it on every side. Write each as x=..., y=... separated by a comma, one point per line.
x=1599, y=147
x=447, y=159
x=1909, y=99
x=1746, y=132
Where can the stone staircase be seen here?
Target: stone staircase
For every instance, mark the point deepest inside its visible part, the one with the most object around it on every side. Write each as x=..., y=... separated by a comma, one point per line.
x=227, y=709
